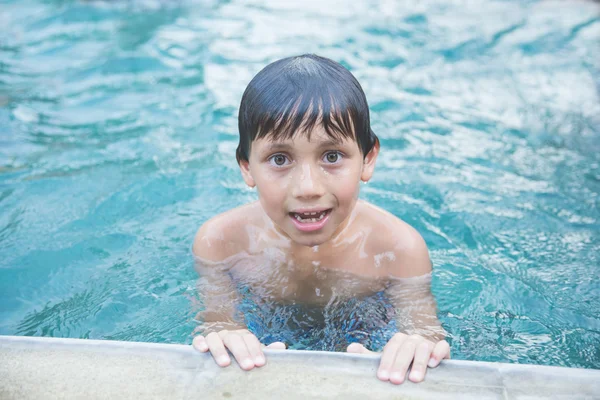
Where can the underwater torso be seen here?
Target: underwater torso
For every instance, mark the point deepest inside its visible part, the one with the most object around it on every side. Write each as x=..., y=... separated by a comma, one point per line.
x=322, y=297
x=288, y=282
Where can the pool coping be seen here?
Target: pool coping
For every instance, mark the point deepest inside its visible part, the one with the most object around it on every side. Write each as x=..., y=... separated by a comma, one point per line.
x=34, y=367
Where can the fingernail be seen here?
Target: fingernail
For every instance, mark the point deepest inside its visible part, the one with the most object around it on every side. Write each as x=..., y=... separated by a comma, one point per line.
x=431, y=363
x=223, y=360
x=385, y=375
x=259, y=360
x=247, y=363
x=397, y=377
x=415, y=375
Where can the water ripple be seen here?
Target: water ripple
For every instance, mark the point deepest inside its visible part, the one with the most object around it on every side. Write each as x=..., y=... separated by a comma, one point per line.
x=118, y=126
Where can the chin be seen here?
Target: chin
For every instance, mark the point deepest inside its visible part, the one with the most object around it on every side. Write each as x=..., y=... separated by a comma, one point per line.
x=311, y=240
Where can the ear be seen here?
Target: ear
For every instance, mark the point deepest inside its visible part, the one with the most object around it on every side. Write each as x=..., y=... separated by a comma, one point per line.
x=245, y=168
x=369, y=162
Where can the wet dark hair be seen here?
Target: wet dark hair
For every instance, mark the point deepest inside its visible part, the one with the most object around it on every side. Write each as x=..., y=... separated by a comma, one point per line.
x=294, y=94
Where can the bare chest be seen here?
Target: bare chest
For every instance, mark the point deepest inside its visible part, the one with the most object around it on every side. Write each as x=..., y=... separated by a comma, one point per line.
x=307, y=283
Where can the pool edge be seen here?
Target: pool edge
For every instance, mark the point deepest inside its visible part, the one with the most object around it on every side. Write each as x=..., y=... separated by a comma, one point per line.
x=96, y=368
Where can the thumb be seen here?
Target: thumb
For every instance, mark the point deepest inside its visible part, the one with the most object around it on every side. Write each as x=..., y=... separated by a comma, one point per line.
x=277, y=346
x=358, y=348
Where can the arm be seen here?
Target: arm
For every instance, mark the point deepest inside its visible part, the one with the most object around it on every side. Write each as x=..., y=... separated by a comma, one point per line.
x=409, y=287
x=219, y=329
x=219, y=297
x=421, y=338
x=416, y=309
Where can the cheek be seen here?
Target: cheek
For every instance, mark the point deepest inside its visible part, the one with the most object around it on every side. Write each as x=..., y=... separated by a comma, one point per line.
x=274, y=184
x=271, y=191
x=346, y=193
x=345, y=185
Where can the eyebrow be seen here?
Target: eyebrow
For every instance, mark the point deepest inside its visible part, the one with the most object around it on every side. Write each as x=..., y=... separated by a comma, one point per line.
x=330, y=143
x=275, y=146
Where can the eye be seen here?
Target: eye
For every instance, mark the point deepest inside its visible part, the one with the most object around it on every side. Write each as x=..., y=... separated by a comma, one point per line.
x=332, y=157
x=278, y=160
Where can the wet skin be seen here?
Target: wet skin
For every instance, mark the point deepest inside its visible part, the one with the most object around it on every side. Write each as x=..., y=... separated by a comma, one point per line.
x=357, y=250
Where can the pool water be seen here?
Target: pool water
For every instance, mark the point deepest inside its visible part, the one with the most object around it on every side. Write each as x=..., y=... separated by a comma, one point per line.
x=118, y=129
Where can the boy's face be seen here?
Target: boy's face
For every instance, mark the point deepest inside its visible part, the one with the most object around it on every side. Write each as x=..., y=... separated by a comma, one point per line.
x=308, y=188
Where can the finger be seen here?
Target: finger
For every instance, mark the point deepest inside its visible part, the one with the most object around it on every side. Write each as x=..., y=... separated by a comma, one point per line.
x=277, y=346
x=217, y=349
x=254, y=349
x=389, y=355
x=238, y=348
x=440, y=352
x=402, y=361
x=419, y=364
x=358, y=348
x=199, y=343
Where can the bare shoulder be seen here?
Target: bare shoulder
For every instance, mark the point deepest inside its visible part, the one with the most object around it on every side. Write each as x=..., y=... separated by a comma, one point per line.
x=222, y=236
x=397, y=246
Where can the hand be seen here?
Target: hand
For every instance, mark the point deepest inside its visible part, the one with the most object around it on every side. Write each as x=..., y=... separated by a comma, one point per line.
x=403, y=349
x=244, y=346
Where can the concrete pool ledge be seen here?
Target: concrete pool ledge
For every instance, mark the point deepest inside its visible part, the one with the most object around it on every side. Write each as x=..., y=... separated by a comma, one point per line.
x=34, y=368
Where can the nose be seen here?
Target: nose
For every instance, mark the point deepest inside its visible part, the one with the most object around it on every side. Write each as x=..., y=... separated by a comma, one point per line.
x=307, y=183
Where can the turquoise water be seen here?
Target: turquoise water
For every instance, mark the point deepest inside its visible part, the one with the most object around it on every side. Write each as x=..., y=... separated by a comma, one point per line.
x=118, y=129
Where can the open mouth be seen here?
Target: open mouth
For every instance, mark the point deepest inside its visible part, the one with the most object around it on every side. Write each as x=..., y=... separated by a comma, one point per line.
x=310, y=217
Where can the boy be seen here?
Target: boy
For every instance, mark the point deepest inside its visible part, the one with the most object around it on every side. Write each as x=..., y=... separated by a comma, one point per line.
x=305, y=145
